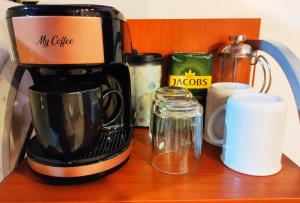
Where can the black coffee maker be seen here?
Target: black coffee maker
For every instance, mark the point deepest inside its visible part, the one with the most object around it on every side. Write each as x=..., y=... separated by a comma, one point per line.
x=80, y=100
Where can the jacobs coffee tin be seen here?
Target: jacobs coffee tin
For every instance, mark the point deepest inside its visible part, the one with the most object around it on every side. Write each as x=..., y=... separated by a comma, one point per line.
x=192, y=71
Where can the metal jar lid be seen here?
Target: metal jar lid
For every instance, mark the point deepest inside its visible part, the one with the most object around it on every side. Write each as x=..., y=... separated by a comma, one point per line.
x=237, y=49
x=144, y=58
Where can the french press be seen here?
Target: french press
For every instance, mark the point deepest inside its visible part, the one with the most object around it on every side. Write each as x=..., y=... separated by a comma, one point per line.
x=237, y=61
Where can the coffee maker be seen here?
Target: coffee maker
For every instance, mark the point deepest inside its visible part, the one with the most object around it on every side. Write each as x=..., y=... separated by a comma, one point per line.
x=80, y=101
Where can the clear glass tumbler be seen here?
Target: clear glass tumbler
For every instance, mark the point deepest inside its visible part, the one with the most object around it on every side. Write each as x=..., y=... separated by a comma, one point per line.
x=164, y=93
x=176, y=131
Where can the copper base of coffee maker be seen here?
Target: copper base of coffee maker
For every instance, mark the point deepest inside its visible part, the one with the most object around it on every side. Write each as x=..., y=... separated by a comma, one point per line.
x=113, y=148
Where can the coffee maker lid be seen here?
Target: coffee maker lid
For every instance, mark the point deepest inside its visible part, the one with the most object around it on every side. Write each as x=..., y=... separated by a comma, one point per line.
x=65, y=10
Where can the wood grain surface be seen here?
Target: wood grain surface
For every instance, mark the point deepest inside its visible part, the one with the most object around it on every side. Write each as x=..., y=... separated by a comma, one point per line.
x=191, y=35
x=188, y=35
x=137, y=181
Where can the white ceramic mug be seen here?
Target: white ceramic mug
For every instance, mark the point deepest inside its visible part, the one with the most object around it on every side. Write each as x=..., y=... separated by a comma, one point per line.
x=254, y=129
x=217, y=97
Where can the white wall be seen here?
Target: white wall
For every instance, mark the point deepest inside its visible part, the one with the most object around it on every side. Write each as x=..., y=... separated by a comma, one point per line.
x=3, y=29
x=280, y=22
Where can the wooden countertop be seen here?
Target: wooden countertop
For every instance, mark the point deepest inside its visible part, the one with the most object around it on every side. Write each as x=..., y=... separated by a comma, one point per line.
x=138, y=182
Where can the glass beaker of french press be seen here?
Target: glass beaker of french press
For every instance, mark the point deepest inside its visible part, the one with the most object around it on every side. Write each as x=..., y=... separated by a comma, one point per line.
x=236, y=62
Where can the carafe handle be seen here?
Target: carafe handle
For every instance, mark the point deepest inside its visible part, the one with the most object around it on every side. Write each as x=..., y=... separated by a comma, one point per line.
x=266, y=71
x=117, y=110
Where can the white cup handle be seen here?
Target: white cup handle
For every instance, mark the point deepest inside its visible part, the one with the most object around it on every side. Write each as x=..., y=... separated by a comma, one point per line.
x=211, y=124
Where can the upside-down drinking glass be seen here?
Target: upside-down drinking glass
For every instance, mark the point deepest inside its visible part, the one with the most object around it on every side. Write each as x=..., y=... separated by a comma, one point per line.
x=176, y=131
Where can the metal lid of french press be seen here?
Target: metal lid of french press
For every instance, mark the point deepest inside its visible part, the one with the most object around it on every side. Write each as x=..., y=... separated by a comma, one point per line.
x=238, y=49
